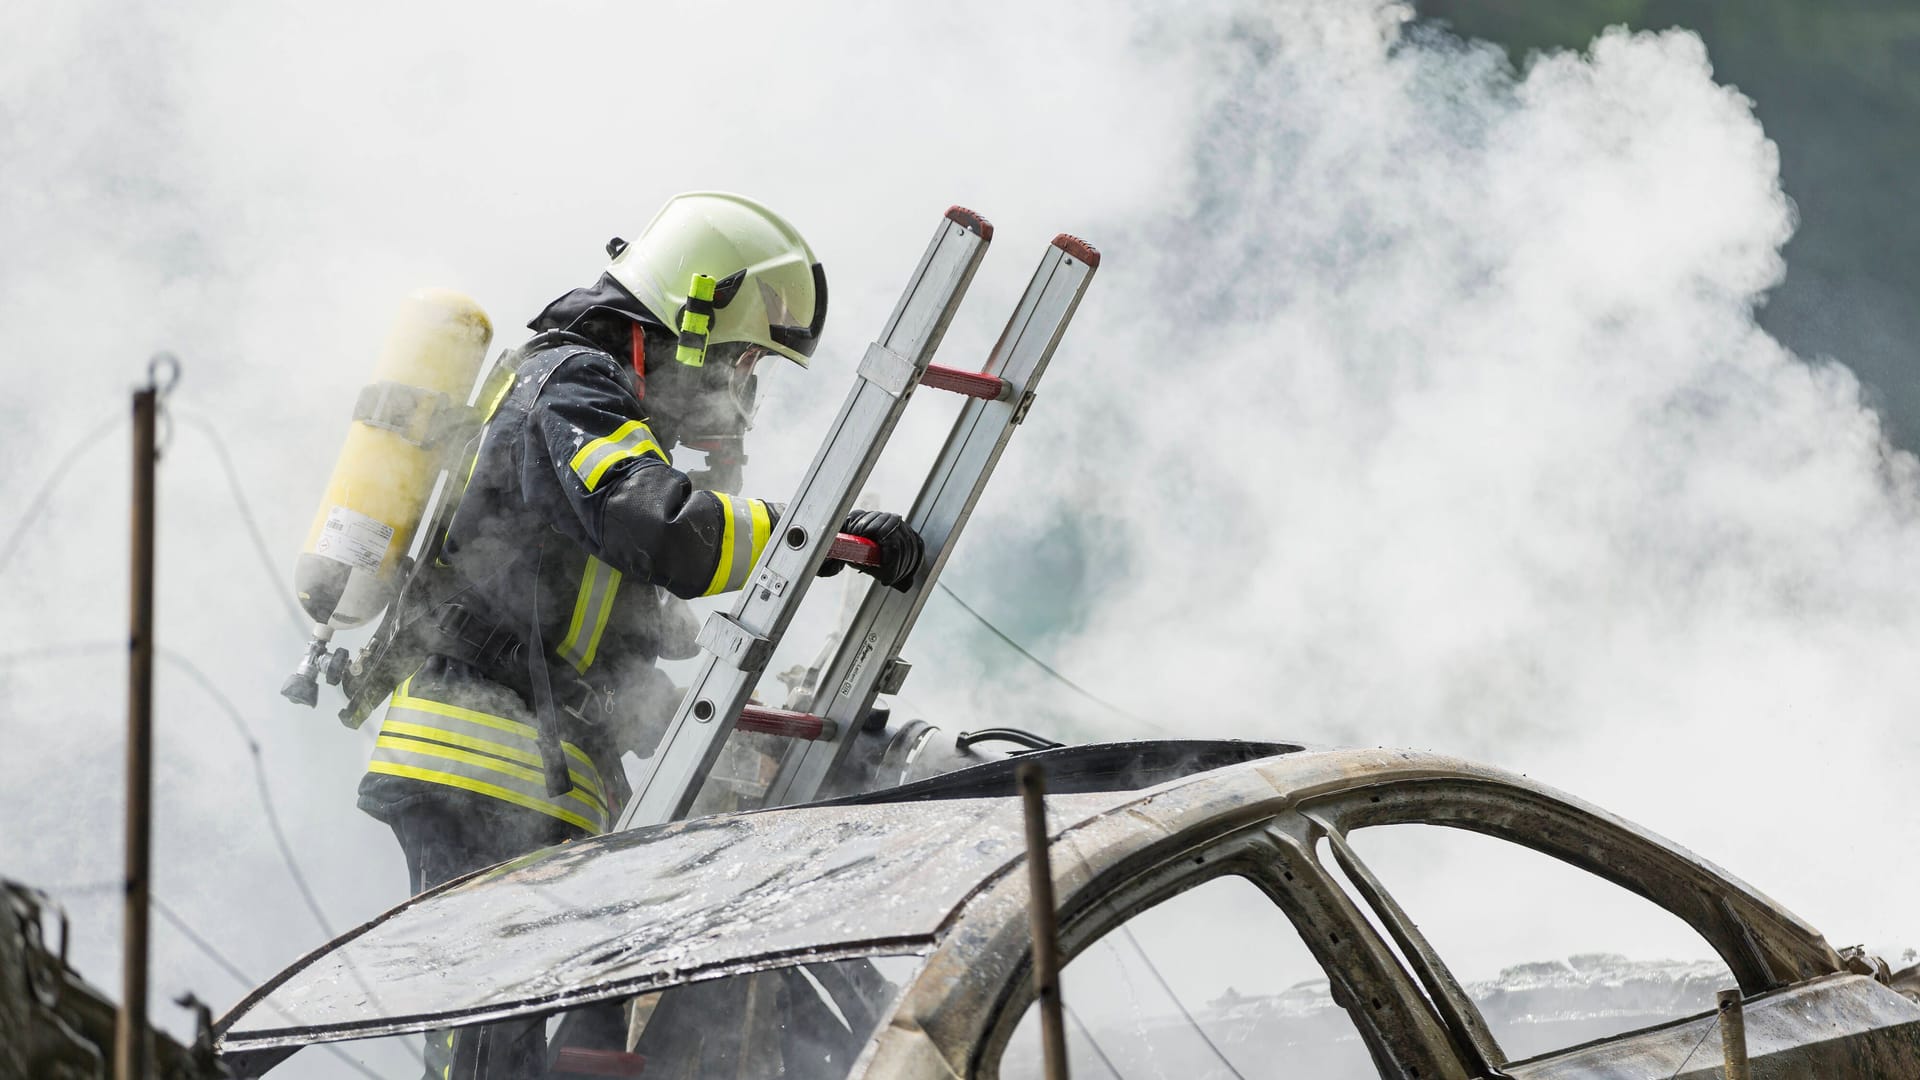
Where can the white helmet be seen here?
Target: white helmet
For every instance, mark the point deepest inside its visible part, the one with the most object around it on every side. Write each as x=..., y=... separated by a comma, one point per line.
x=722, y=268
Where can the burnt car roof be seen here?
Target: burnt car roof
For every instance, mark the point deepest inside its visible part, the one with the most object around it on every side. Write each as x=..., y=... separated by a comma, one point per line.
x=871, y=875
x=1077, y=770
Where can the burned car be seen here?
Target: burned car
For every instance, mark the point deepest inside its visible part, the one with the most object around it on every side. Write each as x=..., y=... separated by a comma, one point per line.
x=887, y=935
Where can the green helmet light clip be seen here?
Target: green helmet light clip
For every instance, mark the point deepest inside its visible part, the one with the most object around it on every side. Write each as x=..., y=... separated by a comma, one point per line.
x=696, y=322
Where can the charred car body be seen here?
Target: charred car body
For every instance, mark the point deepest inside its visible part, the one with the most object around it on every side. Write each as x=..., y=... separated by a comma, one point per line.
x=886, y=935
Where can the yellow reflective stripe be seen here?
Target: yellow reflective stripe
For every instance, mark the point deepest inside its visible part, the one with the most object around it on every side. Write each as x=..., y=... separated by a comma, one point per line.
x=599, y=584
x=762, y=528
x=493, y=406
x=743, y=535
x=403, y=699
x=485, y=763
x=421, y=731
x=723, y=569
x=631, y=439
x=433, y=776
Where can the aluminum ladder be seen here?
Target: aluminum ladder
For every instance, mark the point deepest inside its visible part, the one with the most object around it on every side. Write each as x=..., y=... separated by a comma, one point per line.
x=737, y=646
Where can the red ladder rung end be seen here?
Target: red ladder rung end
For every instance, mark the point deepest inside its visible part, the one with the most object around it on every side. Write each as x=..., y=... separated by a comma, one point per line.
x=579, y=1062
x=970, y=221
x=793, y=725
x=857, y=550
x=973, y=384
x=1079, y=249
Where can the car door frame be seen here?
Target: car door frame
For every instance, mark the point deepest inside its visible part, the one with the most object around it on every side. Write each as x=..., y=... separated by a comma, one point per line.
x=1401, y=1031
x=1765, y=947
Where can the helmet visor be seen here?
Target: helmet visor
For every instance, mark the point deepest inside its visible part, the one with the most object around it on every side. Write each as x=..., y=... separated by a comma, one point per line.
x=804, y=339
x=730, y=386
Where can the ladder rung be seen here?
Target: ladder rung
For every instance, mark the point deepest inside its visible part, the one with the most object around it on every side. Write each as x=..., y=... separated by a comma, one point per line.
x=794, y=725
x=575, y=1061
x=857, y=550
x=971, y=384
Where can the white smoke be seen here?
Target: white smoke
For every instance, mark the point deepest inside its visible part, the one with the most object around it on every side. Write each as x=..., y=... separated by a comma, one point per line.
x=1440, y=418
x=1418, y=401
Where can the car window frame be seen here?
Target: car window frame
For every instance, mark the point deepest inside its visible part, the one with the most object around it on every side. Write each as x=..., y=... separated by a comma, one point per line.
x=1402, y=1033
x=1576, y=836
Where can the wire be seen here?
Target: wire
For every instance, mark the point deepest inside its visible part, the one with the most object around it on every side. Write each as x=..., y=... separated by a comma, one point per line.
x=1087, y=1033
x=1708, y=1030
x=205, y=946
x=193, y=672
x=199, y=677
x=1072, y=838
x=220, y=959
x=1127, y=932
x=86, y=888
x=301, y=623
x=38, y=504
x=1037, y=662
x=232, y=969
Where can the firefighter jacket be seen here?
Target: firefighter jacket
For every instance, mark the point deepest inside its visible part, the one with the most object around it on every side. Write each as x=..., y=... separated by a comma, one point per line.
x=572, y=528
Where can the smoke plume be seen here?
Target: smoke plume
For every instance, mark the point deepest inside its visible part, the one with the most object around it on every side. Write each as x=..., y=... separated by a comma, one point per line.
x=1419, y=400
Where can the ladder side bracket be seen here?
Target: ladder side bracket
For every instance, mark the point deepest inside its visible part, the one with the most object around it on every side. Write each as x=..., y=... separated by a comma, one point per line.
x=888, y=370
x=729, y=641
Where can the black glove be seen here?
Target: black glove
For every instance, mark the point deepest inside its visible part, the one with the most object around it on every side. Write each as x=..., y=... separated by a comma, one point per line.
x=900, y=548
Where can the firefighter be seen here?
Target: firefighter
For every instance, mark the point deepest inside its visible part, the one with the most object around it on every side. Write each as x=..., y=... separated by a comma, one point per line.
x=576, y=540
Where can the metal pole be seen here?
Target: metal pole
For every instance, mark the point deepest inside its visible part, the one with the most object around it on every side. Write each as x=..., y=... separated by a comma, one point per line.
x=1045, y=922
x=130, y=1035
x=1733, y=1035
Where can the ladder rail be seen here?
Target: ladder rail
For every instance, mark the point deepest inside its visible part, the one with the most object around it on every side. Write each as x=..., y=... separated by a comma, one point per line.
x=737, y=645
x=866, y=659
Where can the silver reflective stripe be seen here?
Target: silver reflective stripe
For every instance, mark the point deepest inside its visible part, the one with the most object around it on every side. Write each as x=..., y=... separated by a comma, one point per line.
x=599, y=584
x=740, y=541
x=631, y=439
x=418, y=759
x=742, y=514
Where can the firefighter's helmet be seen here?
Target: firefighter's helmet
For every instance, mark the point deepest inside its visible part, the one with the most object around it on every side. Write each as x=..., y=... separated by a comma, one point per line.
x=721, y=268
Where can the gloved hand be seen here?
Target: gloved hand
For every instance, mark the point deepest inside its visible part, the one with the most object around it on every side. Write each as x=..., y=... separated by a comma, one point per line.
x=901, y=550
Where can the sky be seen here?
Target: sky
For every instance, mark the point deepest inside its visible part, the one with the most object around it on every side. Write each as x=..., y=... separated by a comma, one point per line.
x=1419, y=399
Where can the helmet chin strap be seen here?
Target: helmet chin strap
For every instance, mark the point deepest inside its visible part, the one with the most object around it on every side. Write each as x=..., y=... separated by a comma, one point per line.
x=639, y=347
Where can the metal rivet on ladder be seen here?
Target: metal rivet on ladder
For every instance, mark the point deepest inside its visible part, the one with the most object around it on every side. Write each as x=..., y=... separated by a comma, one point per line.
x=703, y=710
x=796, y=537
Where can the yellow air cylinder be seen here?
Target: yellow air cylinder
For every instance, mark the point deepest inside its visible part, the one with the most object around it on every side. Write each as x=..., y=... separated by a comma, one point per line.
x=395, y=449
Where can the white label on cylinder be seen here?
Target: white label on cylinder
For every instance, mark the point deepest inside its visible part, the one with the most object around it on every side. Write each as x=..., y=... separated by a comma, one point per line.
x=353, y=538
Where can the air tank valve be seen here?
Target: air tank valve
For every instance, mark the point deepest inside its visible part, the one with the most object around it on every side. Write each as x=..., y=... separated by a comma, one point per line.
x=303, y=686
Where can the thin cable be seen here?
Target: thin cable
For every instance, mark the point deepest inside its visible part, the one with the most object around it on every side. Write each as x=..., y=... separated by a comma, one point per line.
x=1037, y=662
x=205, y=946
x=38, y=505
x=244, y=979
x=199, y=677
x=272, y=815
x=1177, y=1003
x=253, y=749
x=207, y=949
x=301, y=623
x=1072, y=837
x=1710, y=1029
x=82, y=889
x=193, y=672
x=1087, y=1033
